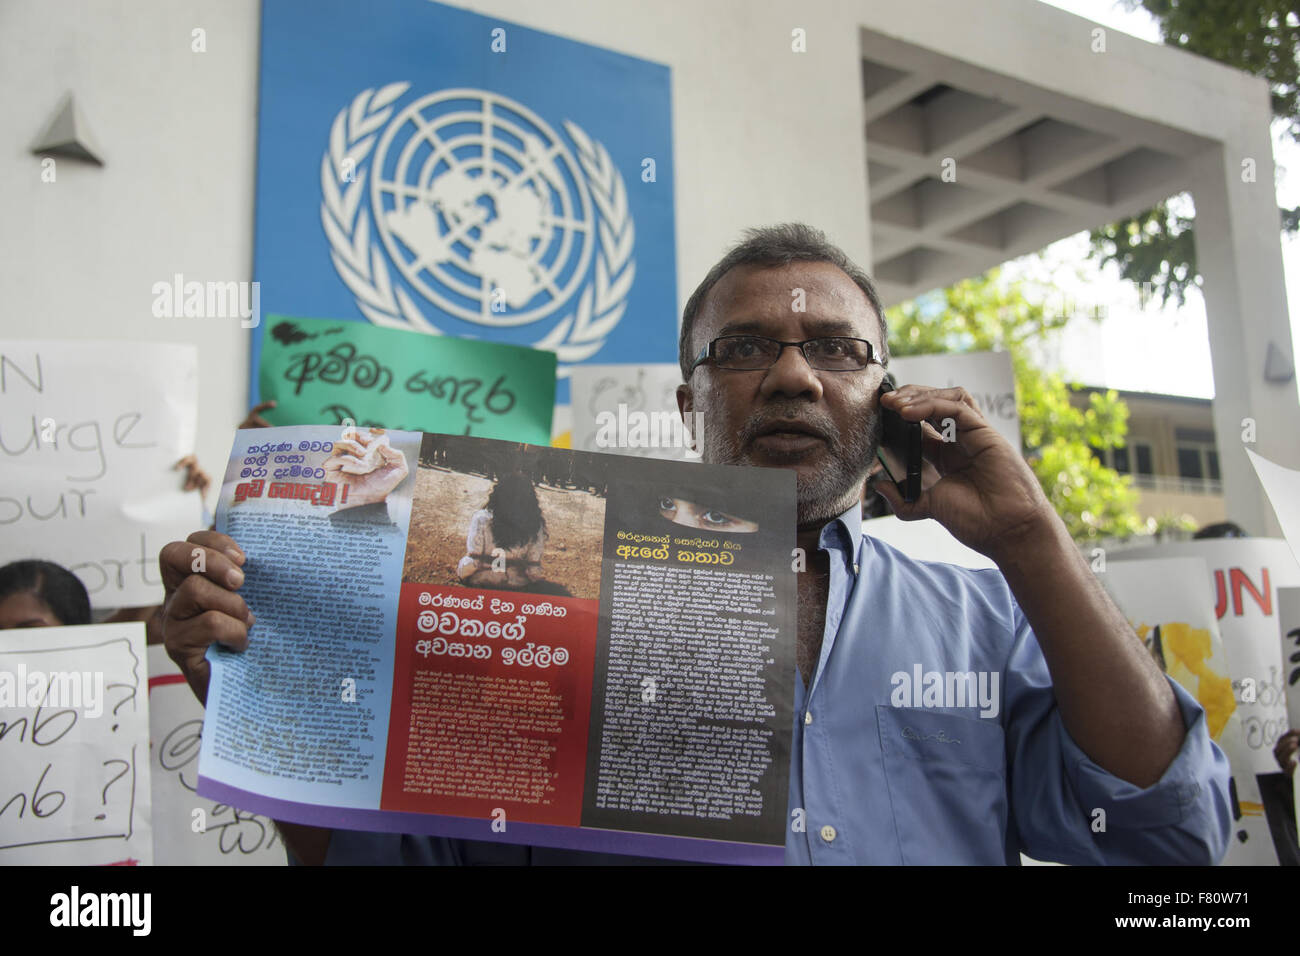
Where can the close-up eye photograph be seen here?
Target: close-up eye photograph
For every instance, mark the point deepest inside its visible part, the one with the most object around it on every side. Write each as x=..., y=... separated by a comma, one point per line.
x=592, y=433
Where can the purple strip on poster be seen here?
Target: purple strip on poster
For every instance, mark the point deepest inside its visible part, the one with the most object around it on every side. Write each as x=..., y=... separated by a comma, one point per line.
x=533, y=834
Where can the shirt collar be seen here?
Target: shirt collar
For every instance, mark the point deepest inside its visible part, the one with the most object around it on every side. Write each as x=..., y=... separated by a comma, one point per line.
x=844, y=532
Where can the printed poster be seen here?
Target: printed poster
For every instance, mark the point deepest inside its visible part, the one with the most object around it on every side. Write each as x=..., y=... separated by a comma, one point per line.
x=427, y=168
x=499, y=641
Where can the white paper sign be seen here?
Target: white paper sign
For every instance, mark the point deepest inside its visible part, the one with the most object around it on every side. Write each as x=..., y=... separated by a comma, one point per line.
x=89, y=432
x=986, y=375
x=188, y=829
x=629, y=410
x=1166, y=601
x=74, y=746
x=1244, y=575
x=1282, y=485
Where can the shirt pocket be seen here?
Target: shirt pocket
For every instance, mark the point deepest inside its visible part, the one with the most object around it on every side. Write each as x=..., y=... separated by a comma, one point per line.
x=947, y=785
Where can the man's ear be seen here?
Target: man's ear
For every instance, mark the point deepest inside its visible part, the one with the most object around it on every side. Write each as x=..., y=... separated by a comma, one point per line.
x=685, y=400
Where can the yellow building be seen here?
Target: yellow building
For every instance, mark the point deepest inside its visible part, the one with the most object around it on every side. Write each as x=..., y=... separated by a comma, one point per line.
x=1171, y=454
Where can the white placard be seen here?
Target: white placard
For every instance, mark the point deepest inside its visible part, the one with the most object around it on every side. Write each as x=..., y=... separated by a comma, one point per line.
x=1166, y=602
x=988, y=377
x=89, y=434
x=74, y=746
x=190, y=830
x=1244, y=575
x=635, y=405
x=1282, y=485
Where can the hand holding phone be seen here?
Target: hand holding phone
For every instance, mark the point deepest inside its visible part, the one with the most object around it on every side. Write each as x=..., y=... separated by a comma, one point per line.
x=902, y=439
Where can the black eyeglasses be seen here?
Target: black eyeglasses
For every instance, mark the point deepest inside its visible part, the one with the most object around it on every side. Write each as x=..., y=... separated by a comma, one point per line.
x=748, y=353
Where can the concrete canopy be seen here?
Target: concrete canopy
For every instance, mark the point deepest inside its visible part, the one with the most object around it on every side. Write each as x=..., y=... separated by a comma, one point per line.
x=1052, y=125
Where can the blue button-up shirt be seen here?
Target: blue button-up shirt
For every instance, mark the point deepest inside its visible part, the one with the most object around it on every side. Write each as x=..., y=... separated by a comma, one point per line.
x=890, y=765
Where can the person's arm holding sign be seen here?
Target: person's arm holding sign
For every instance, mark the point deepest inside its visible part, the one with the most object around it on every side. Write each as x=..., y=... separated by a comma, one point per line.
x=1133, y=748
x=201, y=608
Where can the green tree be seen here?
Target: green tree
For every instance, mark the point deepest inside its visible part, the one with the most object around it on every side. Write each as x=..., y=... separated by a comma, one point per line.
x=983, y=314
x=1260, y=37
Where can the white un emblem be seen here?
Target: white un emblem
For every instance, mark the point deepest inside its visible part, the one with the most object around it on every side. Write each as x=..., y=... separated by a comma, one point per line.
x=483, y=211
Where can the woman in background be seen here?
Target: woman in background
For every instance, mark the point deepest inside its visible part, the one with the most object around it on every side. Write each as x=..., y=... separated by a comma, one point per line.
x=41, y=594
x=506, y=538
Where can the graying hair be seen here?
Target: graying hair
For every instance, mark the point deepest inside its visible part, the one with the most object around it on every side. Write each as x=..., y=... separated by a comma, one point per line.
x=778, y=245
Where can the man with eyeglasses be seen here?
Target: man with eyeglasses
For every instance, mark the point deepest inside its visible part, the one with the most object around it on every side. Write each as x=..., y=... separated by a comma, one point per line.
x=942, y=715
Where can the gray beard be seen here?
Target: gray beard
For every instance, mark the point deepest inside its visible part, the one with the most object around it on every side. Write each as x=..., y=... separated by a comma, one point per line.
x=830, y=490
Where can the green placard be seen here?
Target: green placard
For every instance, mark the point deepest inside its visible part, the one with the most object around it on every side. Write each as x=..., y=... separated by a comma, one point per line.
x=321, y=371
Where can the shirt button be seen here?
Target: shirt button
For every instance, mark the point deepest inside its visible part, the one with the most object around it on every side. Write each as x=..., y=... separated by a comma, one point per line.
x=855, y=569
x=828, y=833
x=807, y=718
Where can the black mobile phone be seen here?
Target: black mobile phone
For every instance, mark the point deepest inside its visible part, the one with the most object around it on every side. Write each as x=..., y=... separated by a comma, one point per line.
x=902, y=439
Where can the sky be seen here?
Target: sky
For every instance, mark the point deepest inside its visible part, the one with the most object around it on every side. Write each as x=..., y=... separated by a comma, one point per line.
x=1152, y=349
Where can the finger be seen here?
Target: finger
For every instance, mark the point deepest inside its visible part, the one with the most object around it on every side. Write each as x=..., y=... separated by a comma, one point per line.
x=945, y=415
x=347, y=446
x=904, y=511
x=916, y=403
x=909, y=393
x=391, y=456
x=207, y=553
x=187, y=642
x=197, y=596
x=338, y=462
x=253, y=419
x=219, y=542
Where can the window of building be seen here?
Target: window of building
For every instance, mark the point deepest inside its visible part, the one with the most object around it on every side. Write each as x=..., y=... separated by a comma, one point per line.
x=1143, y=456
x=1132, y=459
x=1190, y=462
x=1198, y=461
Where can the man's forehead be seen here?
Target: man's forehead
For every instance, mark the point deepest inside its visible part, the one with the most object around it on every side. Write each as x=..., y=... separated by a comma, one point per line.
x=816, y=295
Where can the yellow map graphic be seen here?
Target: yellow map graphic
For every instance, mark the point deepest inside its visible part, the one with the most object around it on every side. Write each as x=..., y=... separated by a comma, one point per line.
x=1185, y=655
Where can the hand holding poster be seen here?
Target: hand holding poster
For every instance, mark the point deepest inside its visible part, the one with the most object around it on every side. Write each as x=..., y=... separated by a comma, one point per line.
x=89, y=432
x=74, y=746
x=324, y=372
x=506, y=642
